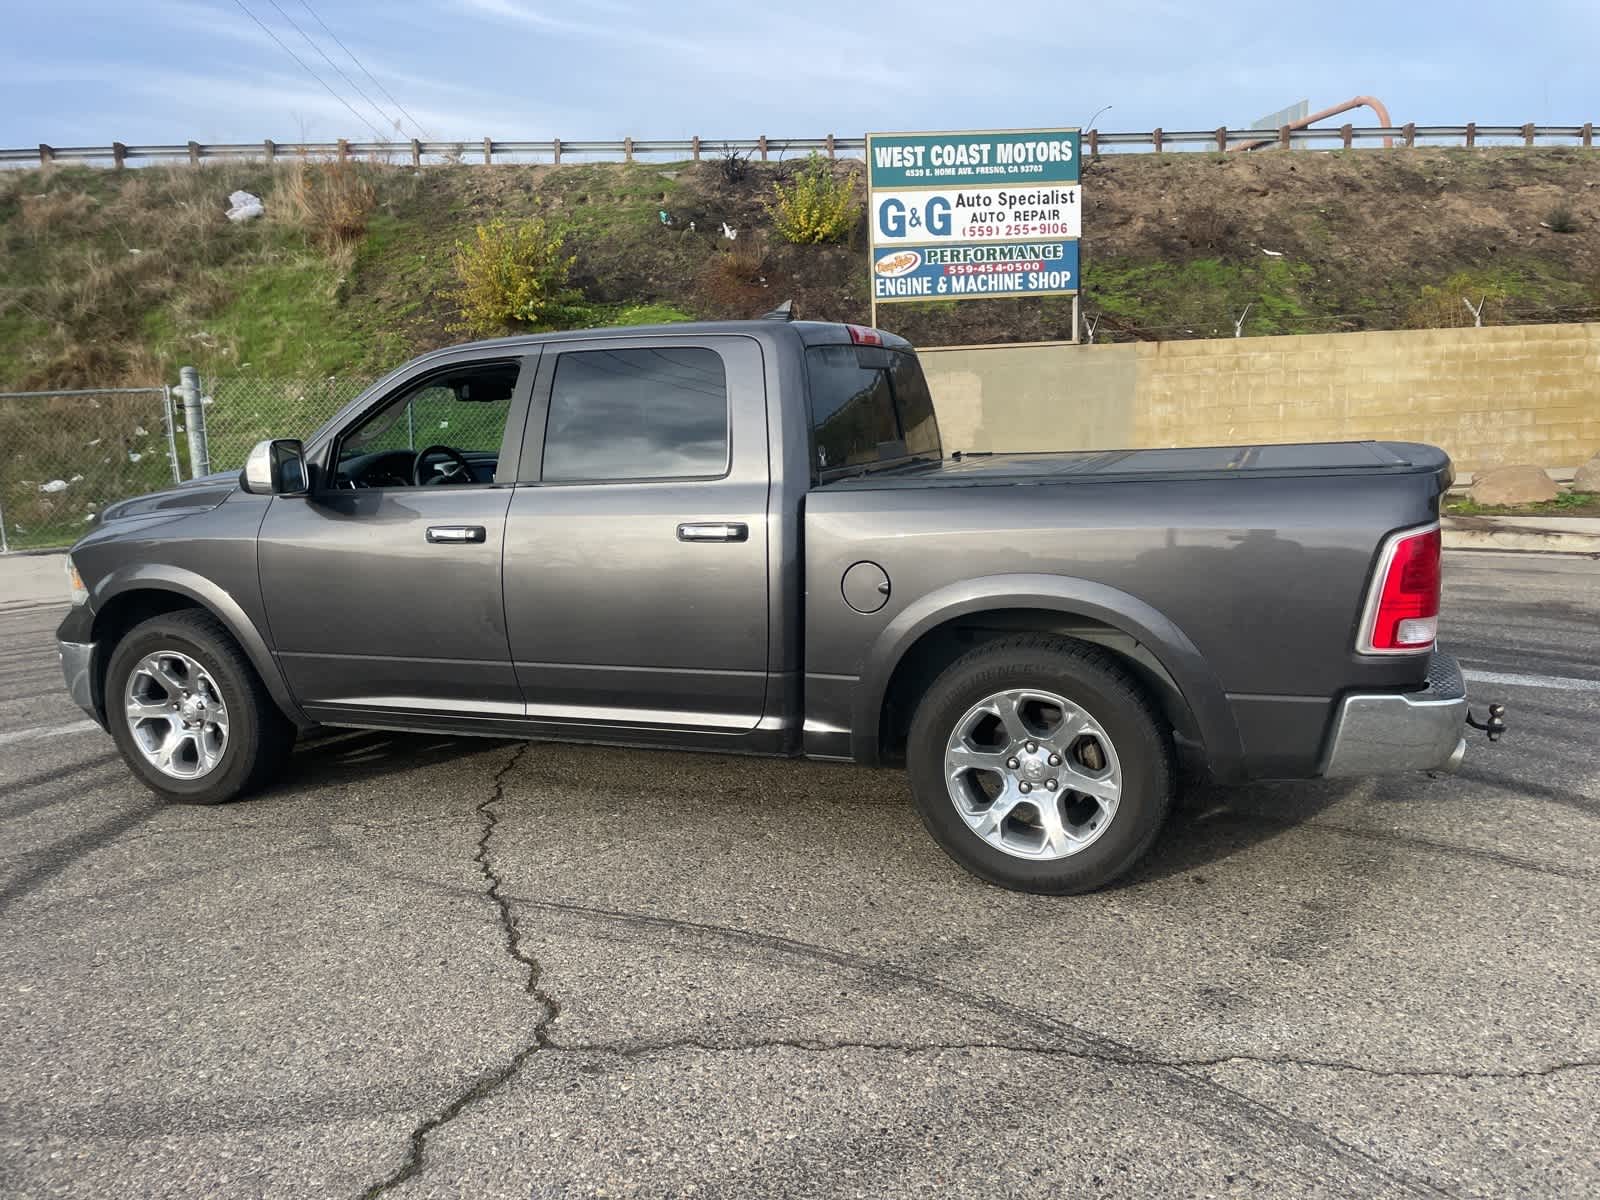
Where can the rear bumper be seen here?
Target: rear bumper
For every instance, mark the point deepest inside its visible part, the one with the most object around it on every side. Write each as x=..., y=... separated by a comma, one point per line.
x=1377, y=733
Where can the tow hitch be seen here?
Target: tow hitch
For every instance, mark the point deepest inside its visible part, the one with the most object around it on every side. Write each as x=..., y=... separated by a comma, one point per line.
x=1493, y=725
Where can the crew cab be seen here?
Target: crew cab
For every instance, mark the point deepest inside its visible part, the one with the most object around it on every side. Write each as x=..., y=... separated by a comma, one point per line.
x=749, y=537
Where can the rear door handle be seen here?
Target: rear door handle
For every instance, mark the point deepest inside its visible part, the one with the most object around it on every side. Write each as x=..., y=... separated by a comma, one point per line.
x=455, y=533
x=714, y=531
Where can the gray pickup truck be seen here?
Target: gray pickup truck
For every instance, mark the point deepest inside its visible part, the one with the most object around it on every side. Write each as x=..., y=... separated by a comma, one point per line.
x=747, y=537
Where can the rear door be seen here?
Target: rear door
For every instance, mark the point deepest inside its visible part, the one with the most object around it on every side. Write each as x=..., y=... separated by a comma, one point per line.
x=636, y=543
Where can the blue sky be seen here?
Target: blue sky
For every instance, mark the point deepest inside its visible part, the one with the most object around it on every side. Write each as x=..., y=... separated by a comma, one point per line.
x=76, y=72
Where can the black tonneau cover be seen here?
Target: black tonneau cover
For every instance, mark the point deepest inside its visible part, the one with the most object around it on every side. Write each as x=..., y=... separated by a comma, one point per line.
x=1198, y=462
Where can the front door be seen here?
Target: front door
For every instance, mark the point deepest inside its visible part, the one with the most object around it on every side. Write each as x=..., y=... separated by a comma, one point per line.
x=383, y=586
x=636, y=567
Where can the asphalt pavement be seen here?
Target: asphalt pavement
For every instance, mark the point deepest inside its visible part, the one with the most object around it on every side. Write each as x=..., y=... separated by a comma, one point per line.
x=443, y=967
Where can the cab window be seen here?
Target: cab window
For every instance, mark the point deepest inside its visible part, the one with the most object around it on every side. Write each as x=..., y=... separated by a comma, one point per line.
x=868, y=405
x=636, y=414
x=445, y=430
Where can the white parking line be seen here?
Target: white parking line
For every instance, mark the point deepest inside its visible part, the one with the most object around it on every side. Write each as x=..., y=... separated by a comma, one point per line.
x=1560, y=683
x=43, y=731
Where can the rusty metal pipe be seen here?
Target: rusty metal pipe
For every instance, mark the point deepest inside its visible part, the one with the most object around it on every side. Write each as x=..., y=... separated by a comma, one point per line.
x=1377, y=106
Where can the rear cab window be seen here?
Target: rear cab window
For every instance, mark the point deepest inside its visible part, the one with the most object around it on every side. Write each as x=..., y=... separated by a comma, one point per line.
x=870, y=407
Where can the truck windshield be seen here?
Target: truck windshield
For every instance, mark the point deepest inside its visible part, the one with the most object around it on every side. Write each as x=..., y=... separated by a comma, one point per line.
x=868, y=405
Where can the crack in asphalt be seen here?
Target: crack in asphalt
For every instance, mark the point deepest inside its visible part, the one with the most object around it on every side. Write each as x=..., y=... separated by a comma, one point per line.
x=1222, y=1099
x=484, y=1085
x=641, y=1049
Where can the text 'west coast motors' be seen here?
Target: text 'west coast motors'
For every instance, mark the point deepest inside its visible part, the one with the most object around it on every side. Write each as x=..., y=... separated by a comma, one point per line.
x=976, y=214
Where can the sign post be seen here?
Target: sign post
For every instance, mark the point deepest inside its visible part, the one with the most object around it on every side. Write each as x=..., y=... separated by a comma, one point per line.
x=974, y=215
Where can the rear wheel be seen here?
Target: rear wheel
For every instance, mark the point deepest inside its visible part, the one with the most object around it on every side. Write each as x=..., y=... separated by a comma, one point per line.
x=189, y=713
x=1039, y=764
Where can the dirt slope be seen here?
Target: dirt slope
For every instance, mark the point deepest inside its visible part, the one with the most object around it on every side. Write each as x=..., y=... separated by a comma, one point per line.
x=112, y=277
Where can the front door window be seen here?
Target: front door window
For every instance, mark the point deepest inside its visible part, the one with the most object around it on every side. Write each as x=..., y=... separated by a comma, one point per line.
x=444, y=431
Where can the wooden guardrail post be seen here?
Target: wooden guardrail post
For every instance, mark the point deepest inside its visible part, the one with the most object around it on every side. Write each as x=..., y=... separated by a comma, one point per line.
x=1472, y=134
x=416, y=153
x=1586, y=138
x=1283, y=137
x=1347, y=134
x=828, y=145
x=47, y=155
x=627, y=149
x=1527, y=134
x=1222, y=139
x=194, y=154
x=1410, y=131
x=119, y=155
x=344, y=149
x=555, y=151
x=1094, y=143
x=694, y=147
x=488, y=152
x=761, y=144
x=1155, y=139
x=269, y=149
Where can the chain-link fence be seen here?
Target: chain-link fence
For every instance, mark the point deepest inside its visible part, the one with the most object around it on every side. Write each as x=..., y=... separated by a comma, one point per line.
x=65, y=455
x=241, y=410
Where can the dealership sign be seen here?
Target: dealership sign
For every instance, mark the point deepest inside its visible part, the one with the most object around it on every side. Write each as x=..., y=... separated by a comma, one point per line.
x=969, y=215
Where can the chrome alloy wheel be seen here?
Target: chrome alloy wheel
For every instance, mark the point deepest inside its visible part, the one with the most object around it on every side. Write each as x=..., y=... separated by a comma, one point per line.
x=177, y=714
x=1033, y=774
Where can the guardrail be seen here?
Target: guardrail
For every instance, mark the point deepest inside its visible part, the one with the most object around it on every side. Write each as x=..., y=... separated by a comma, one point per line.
x=555, y=149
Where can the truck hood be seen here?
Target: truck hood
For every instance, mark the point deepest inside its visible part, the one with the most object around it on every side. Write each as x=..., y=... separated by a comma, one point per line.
x=197, y=495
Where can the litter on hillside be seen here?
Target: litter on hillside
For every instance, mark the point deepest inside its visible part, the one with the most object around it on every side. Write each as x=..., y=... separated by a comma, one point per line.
x=245, y=206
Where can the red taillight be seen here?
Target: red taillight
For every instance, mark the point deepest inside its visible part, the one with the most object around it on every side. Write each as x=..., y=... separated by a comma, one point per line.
x=1403, y=609
x=862, y=336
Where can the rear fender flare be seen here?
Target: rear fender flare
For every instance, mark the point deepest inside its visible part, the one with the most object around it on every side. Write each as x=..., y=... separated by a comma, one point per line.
x=1178, y=656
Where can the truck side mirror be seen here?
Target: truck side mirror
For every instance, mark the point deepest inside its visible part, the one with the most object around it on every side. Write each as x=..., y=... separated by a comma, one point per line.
x=276, y=467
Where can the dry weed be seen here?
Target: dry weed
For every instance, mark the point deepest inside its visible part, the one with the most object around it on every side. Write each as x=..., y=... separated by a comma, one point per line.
x=331, y=201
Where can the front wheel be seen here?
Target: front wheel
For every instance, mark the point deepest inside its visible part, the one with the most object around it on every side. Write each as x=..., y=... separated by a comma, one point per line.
x=1039, y=764
x=189, y=713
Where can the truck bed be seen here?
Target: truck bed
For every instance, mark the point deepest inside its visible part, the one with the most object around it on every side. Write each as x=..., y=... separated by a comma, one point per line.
x=983, y=469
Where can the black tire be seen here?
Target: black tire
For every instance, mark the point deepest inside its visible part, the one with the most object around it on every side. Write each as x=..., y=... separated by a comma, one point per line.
x=1086, y=675
x=259, y=735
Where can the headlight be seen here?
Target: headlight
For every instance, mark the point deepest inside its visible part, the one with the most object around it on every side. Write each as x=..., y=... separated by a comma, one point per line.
x=75, y=588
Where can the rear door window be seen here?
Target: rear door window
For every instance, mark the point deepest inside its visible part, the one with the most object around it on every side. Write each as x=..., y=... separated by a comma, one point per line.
x=657, y=413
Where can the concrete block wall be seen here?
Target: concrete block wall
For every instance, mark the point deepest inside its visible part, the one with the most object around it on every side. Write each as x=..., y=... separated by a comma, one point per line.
x=1528, y=393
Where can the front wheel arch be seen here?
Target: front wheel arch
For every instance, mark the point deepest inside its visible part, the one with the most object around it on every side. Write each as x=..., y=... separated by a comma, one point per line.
x=121, y=604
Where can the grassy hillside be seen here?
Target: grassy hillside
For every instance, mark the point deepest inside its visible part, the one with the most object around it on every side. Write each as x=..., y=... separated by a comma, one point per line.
x=109, y=277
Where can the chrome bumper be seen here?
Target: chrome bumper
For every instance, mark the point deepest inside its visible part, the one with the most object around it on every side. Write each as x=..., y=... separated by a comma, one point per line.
x=77, y=665
x=1375, y=733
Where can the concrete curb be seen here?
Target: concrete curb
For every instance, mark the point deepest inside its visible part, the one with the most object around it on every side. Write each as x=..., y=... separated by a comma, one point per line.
x=1541, y=535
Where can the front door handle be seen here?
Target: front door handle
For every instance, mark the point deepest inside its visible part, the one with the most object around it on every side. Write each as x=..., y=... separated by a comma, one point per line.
x=714, y=531
x=455, y=534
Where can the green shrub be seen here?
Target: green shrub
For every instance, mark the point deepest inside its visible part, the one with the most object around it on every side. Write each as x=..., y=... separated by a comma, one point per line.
x=1561, y=219
x=819, y=206
x=513, y=277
